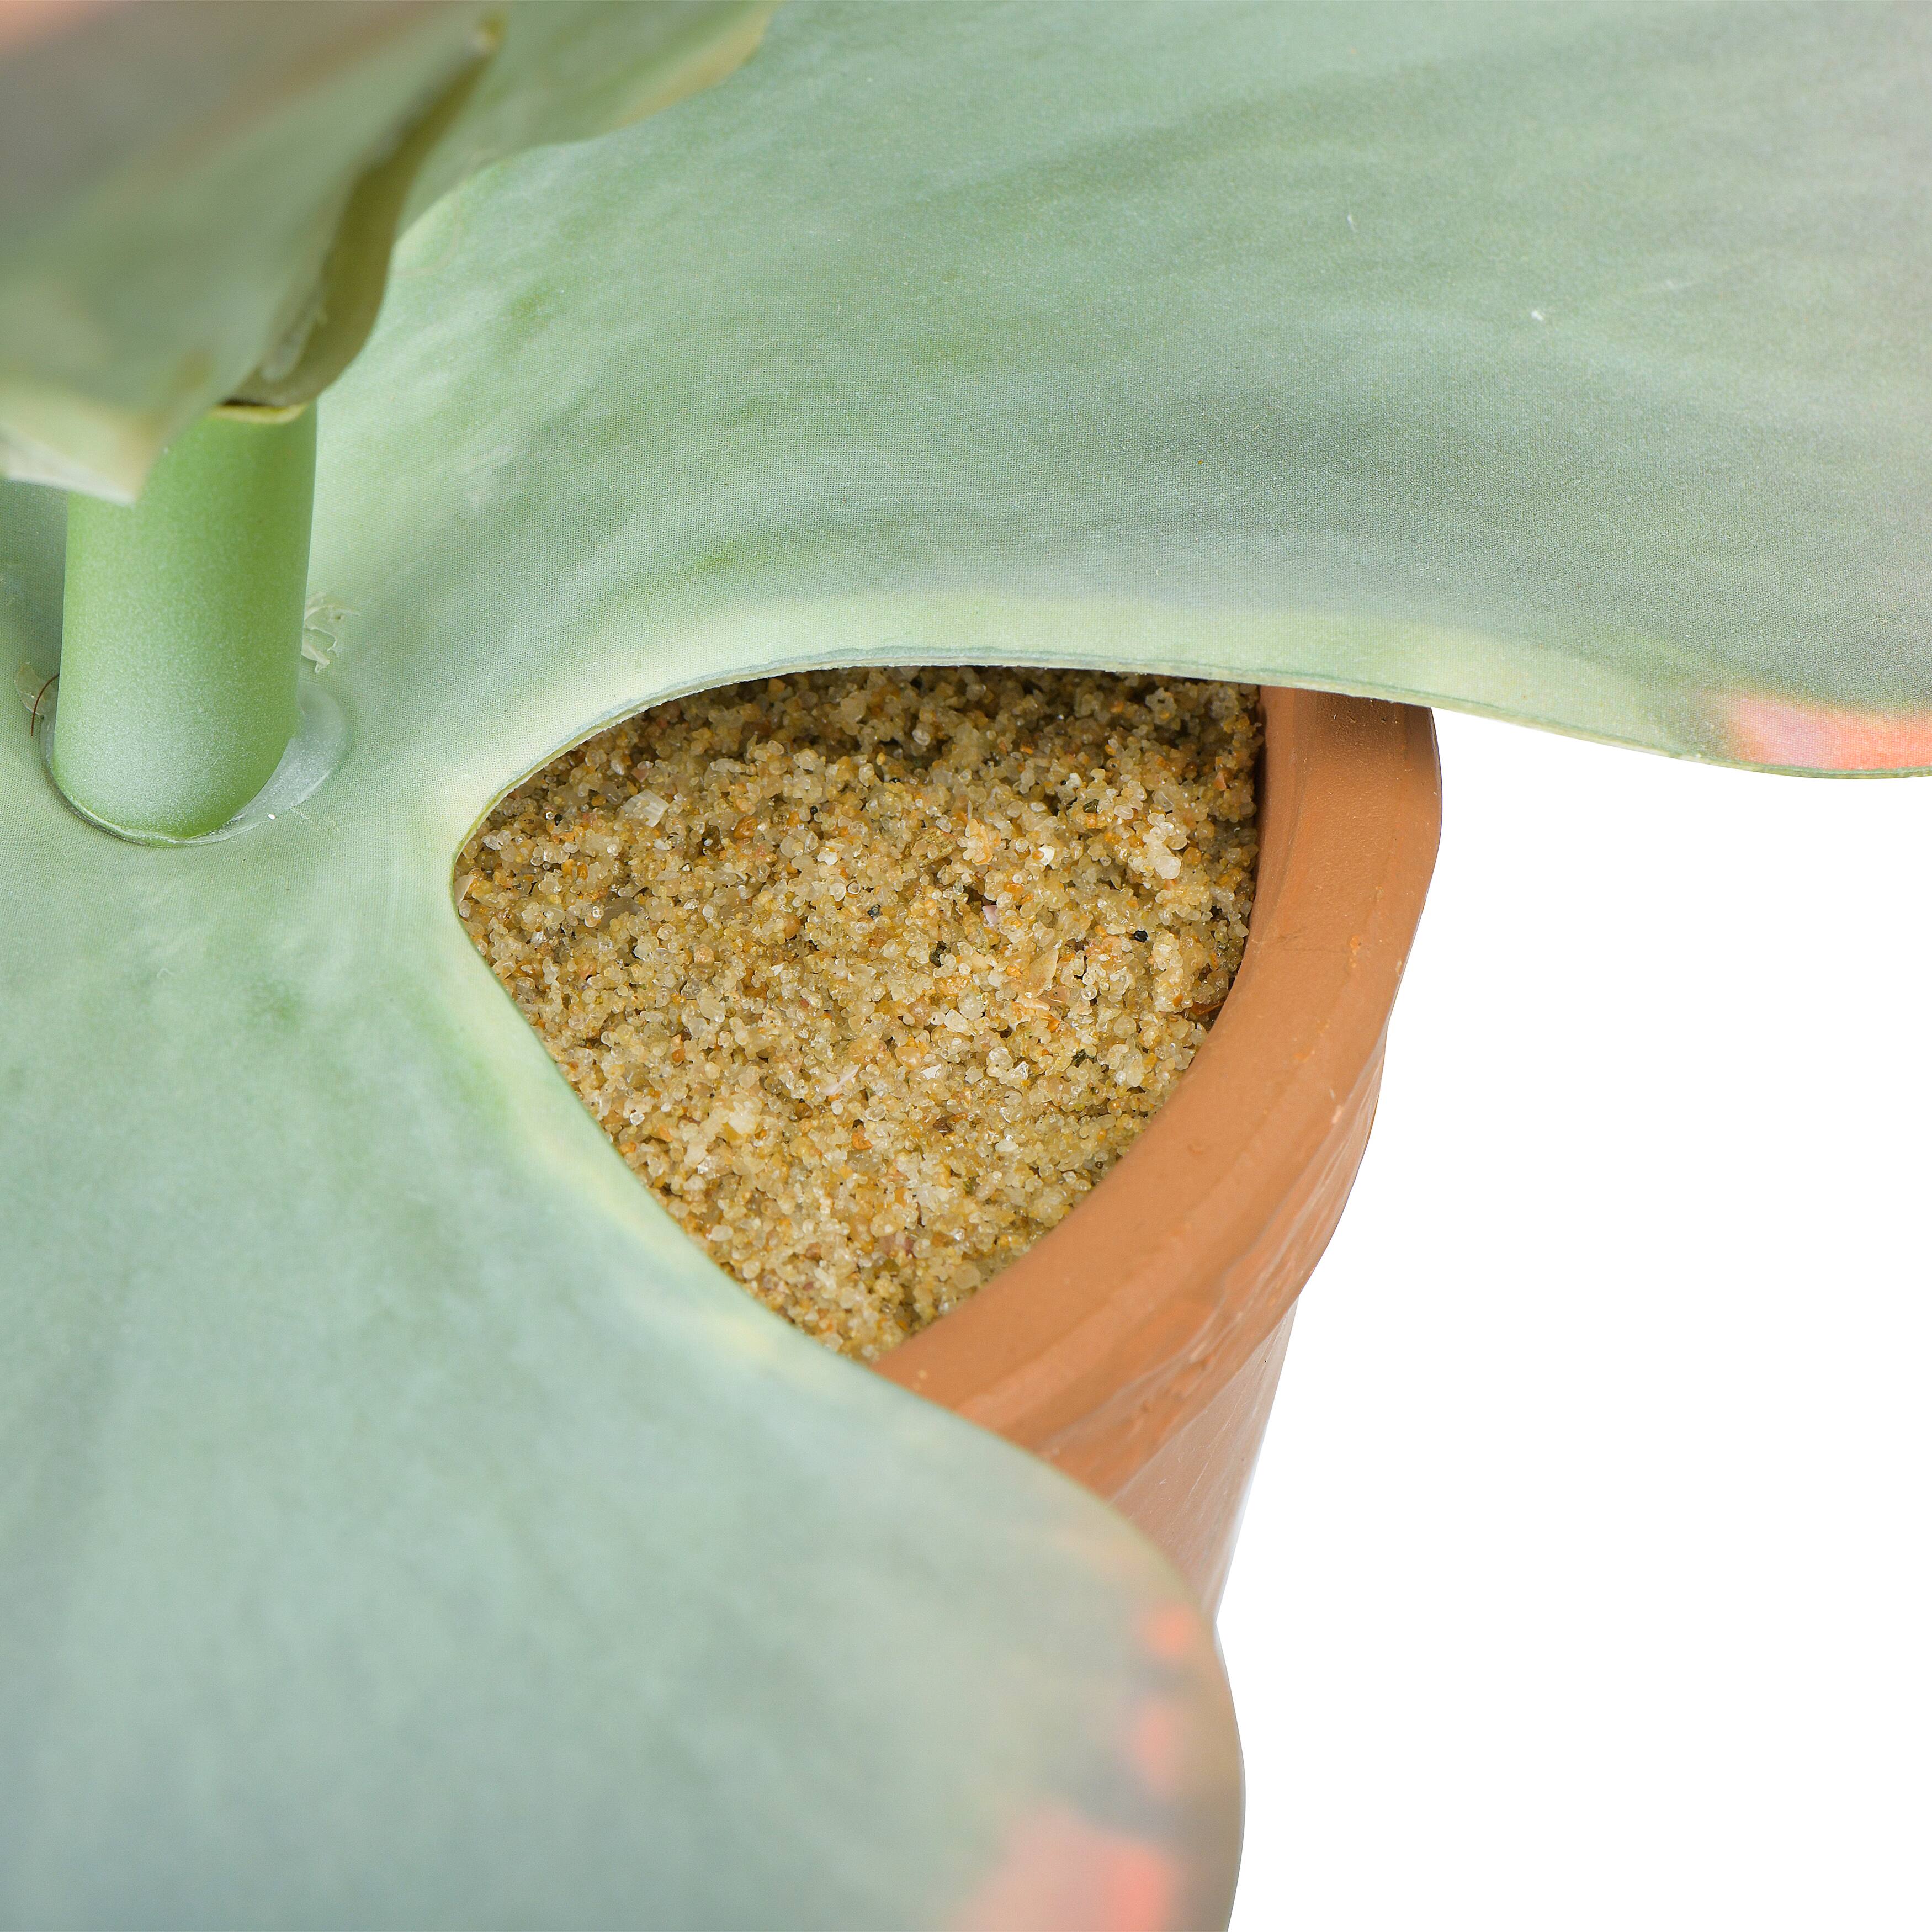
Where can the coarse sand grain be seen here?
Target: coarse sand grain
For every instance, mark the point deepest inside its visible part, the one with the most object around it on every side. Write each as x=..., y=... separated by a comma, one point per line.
x=871, y=974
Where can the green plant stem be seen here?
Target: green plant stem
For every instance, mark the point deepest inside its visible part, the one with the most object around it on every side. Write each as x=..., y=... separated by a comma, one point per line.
x=182, y=631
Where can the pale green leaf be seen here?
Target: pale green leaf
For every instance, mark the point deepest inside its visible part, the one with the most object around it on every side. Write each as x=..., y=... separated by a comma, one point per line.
x=400, y=1523
x=172, y=172
x=403, y=1526
x=1566, y=362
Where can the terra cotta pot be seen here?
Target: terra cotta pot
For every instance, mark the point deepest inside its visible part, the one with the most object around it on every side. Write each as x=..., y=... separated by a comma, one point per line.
x=1137, y=1346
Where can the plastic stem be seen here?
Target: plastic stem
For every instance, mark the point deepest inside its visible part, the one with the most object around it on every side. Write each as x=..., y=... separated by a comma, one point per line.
x=182, y=637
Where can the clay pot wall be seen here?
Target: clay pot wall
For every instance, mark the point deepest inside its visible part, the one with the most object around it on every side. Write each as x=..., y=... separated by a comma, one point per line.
x=1138, y=1346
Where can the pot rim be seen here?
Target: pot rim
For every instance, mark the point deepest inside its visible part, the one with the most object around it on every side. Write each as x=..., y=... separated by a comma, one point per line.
x=1121, y=1327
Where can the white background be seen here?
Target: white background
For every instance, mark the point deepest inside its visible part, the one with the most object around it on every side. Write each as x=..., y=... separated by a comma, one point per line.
x=1585, y=1581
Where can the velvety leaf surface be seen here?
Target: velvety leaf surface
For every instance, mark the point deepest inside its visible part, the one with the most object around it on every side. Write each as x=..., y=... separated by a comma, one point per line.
x=400, y=1523
x=1566, y=362
x=403, y=1525
x=171, y=172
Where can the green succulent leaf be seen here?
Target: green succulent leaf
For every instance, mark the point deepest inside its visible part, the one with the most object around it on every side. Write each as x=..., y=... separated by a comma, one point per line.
x=403, y=1524
x=1562, y=361
x=400, y=1522
x=196, y=196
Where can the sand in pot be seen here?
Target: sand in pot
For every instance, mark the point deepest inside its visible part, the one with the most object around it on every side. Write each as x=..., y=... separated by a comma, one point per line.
x=871, y=975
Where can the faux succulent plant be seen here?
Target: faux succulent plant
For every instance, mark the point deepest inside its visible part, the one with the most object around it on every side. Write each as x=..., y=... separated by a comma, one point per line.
x=400, y=1522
